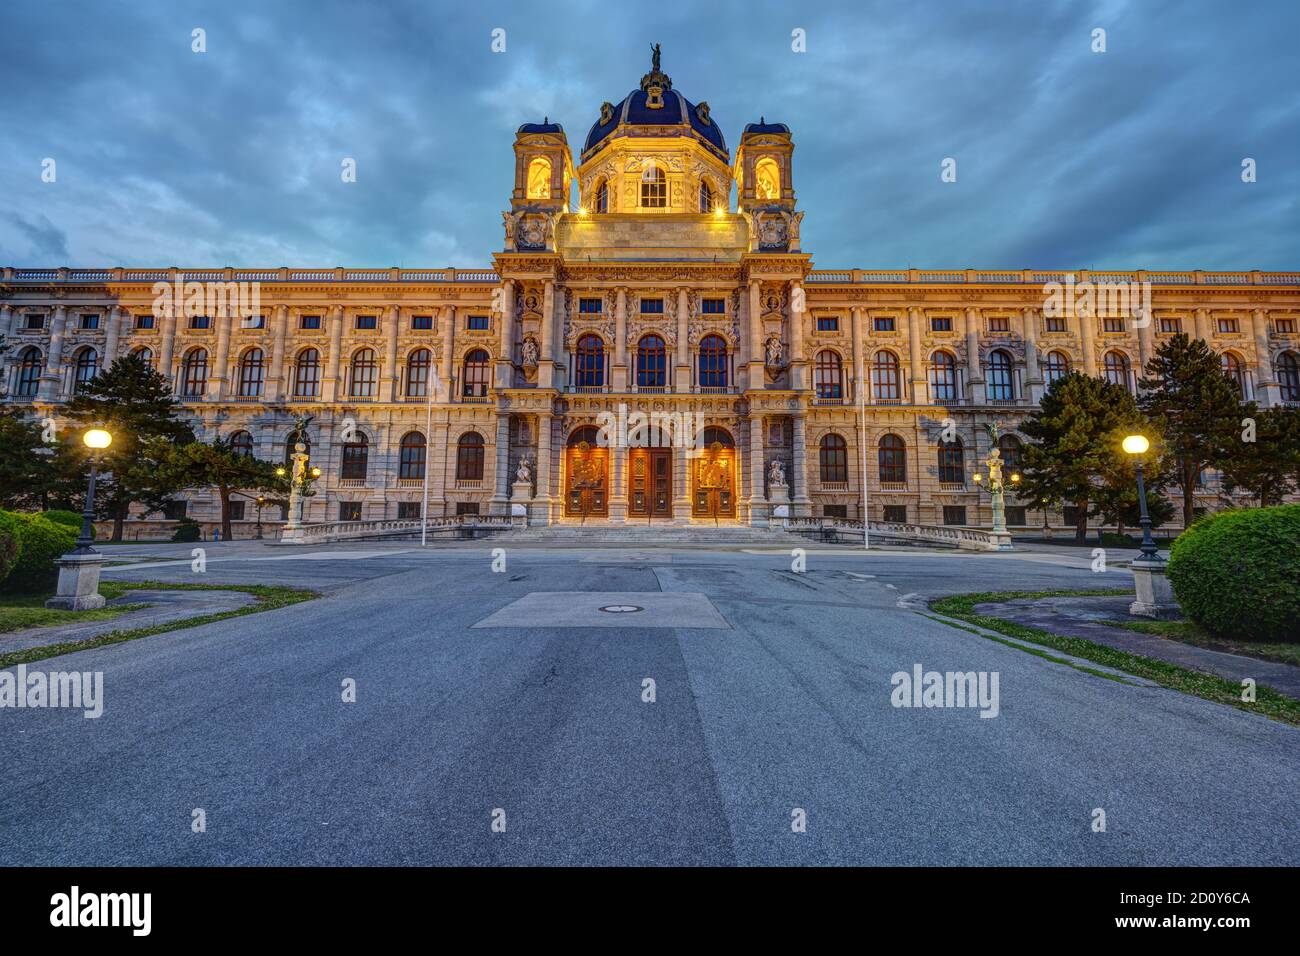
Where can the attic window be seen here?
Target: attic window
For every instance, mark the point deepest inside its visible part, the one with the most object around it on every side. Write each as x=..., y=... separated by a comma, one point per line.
x=654, y=188
x=654, y=98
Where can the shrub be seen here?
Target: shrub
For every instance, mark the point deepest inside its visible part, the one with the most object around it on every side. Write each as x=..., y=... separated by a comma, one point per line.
x=42, y=542
x=69, y=519
x=187, y=529
x=1237, y=573
x=11, y=544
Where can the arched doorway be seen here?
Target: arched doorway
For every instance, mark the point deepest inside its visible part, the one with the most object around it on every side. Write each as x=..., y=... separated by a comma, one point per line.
x=714, y=476
x=586, y=474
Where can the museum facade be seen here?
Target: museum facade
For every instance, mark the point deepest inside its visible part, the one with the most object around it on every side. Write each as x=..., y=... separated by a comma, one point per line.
x=636, y=286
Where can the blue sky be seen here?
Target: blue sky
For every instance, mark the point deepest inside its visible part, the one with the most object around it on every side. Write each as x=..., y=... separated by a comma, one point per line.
x=1065, y=158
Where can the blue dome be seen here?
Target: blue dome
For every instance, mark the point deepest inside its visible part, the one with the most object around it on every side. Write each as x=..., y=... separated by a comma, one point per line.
x=763, y=126
x=676, y=111
x=545, y=126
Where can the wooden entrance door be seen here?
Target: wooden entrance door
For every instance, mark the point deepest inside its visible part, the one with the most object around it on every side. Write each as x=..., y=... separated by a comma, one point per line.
x=585, y=481
x=650, y=482
x=715, y=483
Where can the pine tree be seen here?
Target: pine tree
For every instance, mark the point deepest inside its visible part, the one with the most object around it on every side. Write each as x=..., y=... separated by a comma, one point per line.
x=1269, y=466
x=136, y=405
x=1197, y=407
x=24, y=462
x=219, y=465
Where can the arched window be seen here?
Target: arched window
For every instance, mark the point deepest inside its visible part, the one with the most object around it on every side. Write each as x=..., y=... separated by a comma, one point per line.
x=144, y=354
x=29, y=372
x=651, y=362
x=306, y=374
x=1231, y=366
x=1012, y=453
x=952, y=466
x=241, y=443
x=364, y=375
x=194, y=373
x=1001, y=384
x=539, y=178
x=706, y=196
x=411, y=456
x=252, y=371
x=469, y=457
x=713, y=362
x=828, y=375
x=884, y=376
x=767, y=179
x=712, y=434
x=418, y=364
x=293, y=438
x=87, y=368
x=654, y=188
x=476, y=374
x=834, y=456
x=1288, y=376
x=1116, y=369
x=943, y=377
x=893, y=459
x=602, y=197
x=356, y=457
x=590, y=370
x=1056, y=365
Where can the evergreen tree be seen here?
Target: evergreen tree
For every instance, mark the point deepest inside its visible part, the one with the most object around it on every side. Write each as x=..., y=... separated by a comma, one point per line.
x=24, y=462
x=1269, y=466
x=1198, y=408
x=218, y=465
x=136, y=405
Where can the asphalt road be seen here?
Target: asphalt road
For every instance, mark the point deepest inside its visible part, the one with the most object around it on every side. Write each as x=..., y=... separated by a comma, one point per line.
x=786, y=707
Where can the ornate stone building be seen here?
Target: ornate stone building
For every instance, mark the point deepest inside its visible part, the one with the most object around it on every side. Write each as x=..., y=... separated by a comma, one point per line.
x=631, y=282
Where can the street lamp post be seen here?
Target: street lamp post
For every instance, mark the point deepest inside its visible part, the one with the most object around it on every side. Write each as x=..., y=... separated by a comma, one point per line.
x=1153, y=593
x=1137, y=445
x=78, y=588
x=997, y=494
x=261, y=500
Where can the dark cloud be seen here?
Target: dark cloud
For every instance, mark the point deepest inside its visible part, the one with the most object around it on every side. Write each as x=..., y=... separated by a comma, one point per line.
x=1129, y=158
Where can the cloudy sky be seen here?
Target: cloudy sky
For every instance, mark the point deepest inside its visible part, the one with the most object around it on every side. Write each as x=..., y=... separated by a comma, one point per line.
x=1065, y=157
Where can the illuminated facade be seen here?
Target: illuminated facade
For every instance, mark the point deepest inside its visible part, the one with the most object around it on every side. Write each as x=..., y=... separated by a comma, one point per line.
x=657, y=289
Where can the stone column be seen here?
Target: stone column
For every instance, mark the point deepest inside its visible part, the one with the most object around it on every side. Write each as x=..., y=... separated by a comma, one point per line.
x=858, y=316
x=501, y=486
x=448, y=318
x=545, y=471
x=505, y=345
x=914, y=333
x=798, y=364
x=974, y=373
x=166, y=346
x=683, y=373
x=388, y=391
x=681, y=488
x=112, y=333
x=51, y=387
x=801, y=504
x=546, y=364
x=757, y=347
x=1087, y=339
x=1266, y=386
x=1146, y=342
x=1033, y=374
x=618, y=490
x=275, y=381
x=620, y=377
x=221, y=361
x=330, y=391
x=1203, y=330
x=6, y=332
x=757, y=499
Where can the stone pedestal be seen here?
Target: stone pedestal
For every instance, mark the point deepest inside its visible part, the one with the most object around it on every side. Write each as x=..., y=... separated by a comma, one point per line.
x=518, y=515
x=1002, y=541
x=1155, y=598
x=521, y=493
x=78, y=583
x=779, y=495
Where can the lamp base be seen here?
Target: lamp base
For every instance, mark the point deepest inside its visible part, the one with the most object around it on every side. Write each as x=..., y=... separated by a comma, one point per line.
x=78, y=583
x=1155, y=596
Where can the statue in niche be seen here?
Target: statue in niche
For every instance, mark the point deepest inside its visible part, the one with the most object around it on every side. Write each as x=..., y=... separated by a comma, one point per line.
x=530, y=352
x=774, y=352
x=524, y=473
x=776, y=474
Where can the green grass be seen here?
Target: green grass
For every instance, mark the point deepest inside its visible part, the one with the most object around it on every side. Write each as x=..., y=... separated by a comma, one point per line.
x=269, y=597
x=21, y=611
x=1185, y=632
x=1206, y=686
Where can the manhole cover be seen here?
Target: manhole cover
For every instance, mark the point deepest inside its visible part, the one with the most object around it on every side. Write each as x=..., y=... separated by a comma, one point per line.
x=621, y=608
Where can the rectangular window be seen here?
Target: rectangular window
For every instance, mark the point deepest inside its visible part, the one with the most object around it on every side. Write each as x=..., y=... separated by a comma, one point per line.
x=590, y=306
x=883, y=323
x=367, y=323
x=835, y=511
x=713, y=306
x=1016, y=515
x=349, y=511
x=999, y=323
x=1171, y=326
x=174, y=510
x=1070, y=515
x=477, y=323
x=35, y=320
x=467, y=507
x=1227, y=325
x=1054, y=323
x=309, y=322
x=422, y=323
x=254, y=322
x=828, y=323
x=200, y=321
x=1284, y=326
x=896, y=513
x=237, y=510
x=144, y=321
x=652, y=306
x=954, y=514
x=940, y=323
x=90, y=320
x=408, y=510
x=1112, y=323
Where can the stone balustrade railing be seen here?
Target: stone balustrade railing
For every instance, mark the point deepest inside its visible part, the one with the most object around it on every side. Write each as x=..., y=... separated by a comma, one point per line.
x=1037, y=277
x=249, y=275
x=970, y=539
x=326, y=532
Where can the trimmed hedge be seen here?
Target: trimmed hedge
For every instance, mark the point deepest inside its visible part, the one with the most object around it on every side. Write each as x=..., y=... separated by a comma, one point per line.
x=11, y=544
x=42, y=542
x=69, y=519
x=187, y=529
x=1237, y=573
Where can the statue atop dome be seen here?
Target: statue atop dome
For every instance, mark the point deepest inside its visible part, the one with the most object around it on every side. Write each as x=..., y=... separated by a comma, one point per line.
x=654, y=58
x=656, y=78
